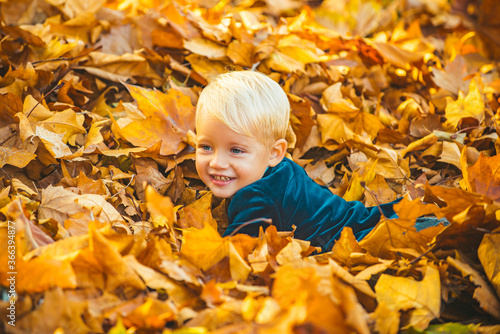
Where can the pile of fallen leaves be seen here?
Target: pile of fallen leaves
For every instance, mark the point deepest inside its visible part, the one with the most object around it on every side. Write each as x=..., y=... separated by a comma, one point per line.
x=115, y=232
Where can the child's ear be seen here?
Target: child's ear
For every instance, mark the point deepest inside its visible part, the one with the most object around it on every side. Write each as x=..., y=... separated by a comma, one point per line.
x=278, y=151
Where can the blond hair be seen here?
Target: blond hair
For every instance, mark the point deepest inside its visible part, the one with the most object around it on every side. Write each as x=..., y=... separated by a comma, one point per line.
x=247, y=102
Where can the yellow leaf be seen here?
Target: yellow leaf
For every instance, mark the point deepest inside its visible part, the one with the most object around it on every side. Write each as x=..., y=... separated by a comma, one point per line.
x=179, y=22
x=488, y=255
x=355, y=191
x=333, y=100
x=397, y=233
x=208, y=69
x=49, y=273
x=386, y=319
x=66, y=123
x=239, y=268
x=14, y=157
x=37, y=111
x=53, y=142
x=464, y=183
x=205, y=47
x=379, y=192
x=153, y=314
x=281, y=62
x=120, y=68
x=300, y=49
x=420, y=144
x=55, y=49
x=396, y=55
x=94, y=136
x=159, y=205
x=320, y=172
x=333, y=127
x=450, y=154
x=204, y=247
x=355, y=282
x=59, y=203
x=422, y=298
x=25, y=130
x=470, y=106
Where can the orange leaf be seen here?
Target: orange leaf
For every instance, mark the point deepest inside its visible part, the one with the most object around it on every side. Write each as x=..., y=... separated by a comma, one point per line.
x=168, y=119
x=484, y=176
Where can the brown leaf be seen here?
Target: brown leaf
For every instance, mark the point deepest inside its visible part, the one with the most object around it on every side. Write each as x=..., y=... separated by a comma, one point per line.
x=15, y=32
x=10, y=105
x=241, y=53
x=148, y=173
x=59, y=310
x=179, y=294
x=484, y=294
x=198, y=213
x=59, y=204
x=301, y=119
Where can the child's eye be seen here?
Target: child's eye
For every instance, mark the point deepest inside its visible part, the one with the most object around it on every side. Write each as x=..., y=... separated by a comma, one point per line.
x=205, y=147
x=236, y=151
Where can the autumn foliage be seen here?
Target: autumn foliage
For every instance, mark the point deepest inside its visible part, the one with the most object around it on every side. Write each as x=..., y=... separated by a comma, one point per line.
x=114, y=231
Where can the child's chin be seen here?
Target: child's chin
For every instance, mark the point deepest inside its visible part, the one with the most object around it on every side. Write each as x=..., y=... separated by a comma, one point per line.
x=222, y=194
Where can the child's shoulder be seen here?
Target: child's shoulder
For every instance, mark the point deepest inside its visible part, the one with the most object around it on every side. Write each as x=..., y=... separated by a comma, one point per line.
x=280, y=180
x=286, y=171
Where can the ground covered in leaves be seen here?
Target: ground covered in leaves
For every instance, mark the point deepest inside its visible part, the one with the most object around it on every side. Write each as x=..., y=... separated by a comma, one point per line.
x=109, y=229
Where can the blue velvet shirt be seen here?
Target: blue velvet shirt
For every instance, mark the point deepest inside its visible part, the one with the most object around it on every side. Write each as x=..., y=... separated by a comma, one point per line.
x=288, y=196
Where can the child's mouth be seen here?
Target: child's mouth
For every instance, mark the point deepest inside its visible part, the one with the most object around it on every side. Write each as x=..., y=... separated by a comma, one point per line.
x=221, y=180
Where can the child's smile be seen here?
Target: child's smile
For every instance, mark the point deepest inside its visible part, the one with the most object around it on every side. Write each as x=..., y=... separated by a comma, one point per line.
x=226, y=160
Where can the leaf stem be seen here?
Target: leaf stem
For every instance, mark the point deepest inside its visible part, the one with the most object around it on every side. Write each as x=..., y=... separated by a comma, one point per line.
x=43, y=97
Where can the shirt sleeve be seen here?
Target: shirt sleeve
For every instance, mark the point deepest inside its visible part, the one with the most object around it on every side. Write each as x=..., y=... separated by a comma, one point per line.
x=247, y=212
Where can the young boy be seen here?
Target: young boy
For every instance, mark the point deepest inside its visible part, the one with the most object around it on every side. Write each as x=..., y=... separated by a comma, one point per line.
x=241, y=122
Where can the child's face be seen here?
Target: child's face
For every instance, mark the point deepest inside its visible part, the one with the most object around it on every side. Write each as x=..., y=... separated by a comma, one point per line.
x=228, y=161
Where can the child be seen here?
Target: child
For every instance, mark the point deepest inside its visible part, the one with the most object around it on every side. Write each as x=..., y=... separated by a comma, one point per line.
x=241, y=122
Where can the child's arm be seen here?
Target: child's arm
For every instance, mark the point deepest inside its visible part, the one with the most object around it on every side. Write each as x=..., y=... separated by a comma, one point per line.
x=249, y=209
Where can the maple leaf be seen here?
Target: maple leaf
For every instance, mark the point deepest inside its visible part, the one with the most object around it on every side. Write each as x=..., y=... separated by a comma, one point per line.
x=471, y=105
x=19, y=158
x=405, y=294
x=487, y=255
x=168, y=118
x=484, y=176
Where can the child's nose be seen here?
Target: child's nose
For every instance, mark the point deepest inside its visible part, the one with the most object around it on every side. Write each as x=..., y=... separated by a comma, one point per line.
x=219, y=160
